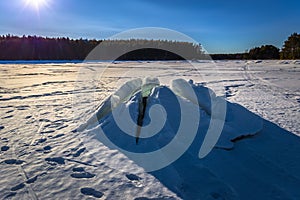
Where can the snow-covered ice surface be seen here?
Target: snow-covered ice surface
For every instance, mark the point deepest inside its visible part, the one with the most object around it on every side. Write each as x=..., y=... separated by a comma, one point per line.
x=268, y=88
x=41, y=158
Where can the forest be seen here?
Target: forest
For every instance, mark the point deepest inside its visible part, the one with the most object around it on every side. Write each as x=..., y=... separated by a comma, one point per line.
x=40, y=48
x=45, y=48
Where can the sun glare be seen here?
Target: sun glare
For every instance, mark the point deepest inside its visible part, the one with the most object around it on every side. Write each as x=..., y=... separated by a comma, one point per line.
x=36, y=4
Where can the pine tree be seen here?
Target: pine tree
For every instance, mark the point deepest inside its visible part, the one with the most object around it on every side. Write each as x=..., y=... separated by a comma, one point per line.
x=291, y=47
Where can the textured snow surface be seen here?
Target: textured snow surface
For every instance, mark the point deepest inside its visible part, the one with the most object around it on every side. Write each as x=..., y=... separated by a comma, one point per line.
x=42, y=158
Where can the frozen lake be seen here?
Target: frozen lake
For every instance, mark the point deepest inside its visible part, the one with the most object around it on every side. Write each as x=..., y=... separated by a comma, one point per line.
x=269, y=88
x=42, y=103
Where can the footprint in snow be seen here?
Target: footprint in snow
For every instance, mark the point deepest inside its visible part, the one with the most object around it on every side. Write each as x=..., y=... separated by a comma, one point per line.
x=6, y=117
x=62, y=127
x=4, y=148
x=135, y=180
x=91, y=192
x=39, y=141
x=22, y=107
x=79, y=172
x=34, y=178
x=83, y=175
x=77, y=154
x=11, y=194
x=47, y=132
x=13, y=162
x=56, y=136
x=133, y=177
x=45, y=149
x=55, y=160
x=18, y=187
x=31, y=180
x=78, y=169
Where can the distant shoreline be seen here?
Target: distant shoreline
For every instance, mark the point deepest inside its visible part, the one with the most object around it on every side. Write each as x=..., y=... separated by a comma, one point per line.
x=43, y=49
x=117, y=61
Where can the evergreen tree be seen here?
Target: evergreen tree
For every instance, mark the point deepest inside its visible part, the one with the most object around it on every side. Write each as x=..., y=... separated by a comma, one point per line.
x=291, y=47
x=264, y=52
x=39, y=48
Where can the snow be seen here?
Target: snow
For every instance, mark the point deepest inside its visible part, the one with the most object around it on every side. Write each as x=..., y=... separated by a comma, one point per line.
x=42, y=157
x=232, y=119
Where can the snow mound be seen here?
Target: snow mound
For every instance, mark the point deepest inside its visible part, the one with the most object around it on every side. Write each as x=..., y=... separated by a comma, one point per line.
x=121, y=96
x=163, y=115
x=234, y=165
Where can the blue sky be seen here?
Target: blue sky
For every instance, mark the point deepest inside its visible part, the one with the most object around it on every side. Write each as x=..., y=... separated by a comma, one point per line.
x=220, y=26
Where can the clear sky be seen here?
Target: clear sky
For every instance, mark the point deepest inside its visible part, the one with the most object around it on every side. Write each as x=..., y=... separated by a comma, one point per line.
x=220, y=26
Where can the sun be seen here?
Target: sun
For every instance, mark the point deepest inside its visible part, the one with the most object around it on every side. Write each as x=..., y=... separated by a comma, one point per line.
x=36, y=4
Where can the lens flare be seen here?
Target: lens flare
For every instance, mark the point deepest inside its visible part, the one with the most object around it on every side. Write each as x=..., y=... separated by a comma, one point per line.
x=36, y=4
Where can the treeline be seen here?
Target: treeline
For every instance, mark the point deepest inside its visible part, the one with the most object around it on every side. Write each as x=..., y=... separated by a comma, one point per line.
x=40, y=48
x=231, y=56
x=290, y=50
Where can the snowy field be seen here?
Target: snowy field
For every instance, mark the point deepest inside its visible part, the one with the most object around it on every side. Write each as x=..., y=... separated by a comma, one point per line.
x=42, y=157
